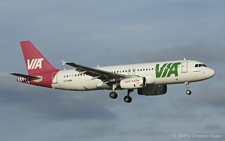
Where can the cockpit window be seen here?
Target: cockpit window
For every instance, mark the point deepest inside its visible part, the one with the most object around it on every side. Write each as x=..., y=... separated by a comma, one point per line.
x=200, y=65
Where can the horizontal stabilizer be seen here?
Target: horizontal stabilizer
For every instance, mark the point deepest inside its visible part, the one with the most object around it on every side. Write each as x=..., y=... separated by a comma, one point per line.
x=63, y=62
x=29, y=77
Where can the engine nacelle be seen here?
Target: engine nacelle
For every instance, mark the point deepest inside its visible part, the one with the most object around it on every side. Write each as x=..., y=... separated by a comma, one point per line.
x=153, y=90
x=133, y=83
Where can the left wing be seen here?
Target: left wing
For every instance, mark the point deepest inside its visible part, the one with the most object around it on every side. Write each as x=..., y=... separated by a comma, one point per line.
x=103, y=75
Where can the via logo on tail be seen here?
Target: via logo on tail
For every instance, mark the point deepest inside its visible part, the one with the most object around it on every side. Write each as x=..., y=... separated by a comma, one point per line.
x=34, y=63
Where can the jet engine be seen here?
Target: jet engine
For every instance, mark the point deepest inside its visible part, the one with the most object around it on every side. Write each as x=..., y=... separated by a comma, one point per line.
x=152, y=90
x=133, y=83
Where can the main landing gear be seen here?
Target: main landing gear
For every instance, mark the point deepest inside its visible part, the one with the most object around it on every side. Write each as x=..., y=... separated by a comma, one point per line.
x=114, y=95
x=188, y=92
x=127, y=98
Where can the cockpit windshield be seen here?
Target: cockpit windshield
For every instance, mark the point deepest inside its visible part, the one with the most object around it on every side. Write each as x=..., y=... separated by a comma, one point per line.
x=200, y=65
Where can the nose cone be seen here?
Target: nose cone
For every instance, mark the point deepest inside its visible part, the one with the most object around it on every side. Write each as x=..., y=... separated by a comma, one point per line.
x=211, y=73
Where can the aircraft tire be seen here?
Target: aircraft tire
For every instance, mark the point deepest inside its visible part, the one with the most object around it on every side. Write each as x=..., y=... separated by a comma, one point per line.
x=127, y=99
x=113, y=95
x=188, y=92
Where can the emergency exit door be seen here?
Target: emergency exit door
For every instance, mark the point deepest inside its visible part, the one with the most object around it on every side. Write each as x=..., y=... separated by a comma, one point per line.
x=184, y=67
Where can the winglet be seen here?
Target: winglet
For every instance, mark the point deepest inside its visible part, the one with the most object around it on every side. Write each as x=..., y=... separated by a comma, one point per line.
x=63, y=62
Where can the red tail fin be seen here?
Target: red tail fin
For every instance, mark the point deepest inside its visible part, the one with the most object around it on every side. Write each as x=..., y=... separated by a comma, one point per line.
x=35, y=61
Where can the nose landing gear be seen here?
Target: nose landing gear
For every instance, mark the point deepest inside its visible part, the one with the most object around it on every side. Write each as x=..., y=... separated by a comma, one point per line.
x=188, y=92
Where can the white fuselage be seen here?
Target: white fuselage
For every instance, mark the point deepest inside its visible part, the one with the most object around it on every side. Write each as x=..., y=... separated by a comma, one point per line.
x=157, y=73
x=148, y=79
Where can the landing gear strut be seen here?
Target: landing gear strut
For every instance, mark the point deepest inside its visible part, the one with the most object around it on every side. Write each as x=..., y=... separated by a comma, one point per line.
x=113, y=94
x=127, y=98
x=188, y=92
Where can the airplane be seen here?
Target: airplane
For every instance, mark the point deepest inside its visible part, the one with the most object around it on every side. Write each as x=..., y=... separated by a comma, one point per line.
x=150, y=79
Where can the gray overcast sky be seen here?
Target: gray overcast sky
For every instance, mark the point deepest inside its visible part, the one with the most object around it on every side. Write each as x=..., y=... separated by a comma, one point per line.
x=110, y=33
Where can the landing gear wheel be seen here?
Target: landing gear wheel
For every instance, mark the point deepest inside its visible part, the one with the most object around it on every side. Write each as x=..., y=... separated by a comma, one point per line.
x=127, y=99
x=188, y=92
x=113, y=95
